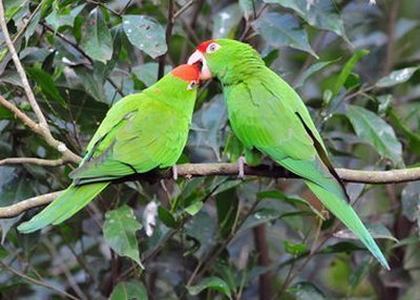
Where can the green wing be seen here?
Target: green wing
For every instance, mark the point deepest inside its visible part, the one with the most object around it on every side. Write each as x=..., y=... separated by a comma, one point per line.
x=264, y=113
x=136, y=143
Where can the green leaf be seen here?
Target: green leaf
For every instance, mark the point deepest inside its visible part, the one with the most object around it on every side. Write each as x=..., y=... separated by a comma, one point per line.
x=194, y=208
x=146, y=34
x=96, y=37
x=213, y=283
x=283, y=30
x=46, y=83
x=129, y=290
x=347, y=69
x=295, y=248
x=226, y=21
x=120, y=232
x=410, y=198
x=166, y=217
x=321, y=14
x=306, y=291
x=5, y=113
x=312, y=70
x=147, y=73
x=227, y=205
x=247, y=7
x=63, y=17
x=412, y=136
x=396, y=77
x=378, y=231
x=206, y=135
x=292, y=200
x=376, y=132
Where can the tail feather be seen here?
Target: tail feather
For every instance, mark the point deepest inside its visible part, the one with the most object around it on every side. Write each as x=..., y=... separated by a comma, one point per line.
x=73, y=199
x=343, y=211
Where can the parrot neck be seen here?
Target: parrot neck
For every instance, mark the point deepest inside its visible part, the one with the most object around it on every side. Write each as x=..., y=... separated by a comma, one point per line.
x=173, y=93
x=233, y=73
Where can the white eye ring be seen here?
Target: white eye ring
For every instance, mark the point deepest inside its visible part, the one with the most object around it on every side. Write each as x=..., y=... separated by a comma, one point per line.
x=193, y=84
x=213, y=47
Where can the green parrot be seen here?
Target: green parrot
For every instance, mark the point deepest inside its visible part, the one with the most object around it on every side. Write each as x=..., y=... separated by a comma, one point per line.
x=267, y=115
x=140, y=132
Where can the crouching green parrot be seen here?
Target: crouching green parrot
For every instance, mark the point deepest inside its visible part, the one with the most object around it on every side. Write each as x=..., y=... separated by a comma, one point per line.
x=139, y=133
x=266, y=114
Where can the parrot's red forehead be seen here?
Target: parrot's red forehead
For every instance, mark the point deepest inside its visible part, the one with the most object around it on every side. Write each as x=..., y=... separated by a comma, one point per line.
x=203, y=46
x=187, y=72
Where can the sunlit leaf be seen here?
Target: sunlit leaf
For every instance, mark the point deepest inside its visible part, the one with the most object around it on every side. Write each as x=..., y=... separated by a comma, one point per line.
x=283, y=30
x=129, y=290
x=294, y=248
x=213, y=283
x=194, y=208
x=96, y=37
x=396, y=77
x=376, y=132
x=145, y=33
x=347, y=69
x=120, y=229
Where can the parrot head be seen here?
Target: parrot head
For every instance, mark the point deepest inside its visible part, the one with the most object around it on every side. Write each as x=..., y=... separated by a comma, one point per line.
x=222, y=57
x=189, y=74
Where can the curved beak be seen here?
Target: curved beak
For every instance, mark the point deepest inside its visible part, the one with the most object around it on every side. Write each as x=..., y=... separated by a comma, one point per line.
x=198, y=58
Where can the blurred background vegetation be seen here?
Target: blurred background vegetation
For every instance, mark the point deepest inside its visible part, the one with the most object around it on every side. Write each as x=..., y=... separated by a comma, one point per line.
x=354, y=62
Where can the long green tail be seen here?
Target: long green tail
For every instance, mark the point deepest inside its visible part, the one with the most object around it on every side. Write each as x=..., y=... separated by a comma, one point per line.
x=343, y=211
x=73, y=199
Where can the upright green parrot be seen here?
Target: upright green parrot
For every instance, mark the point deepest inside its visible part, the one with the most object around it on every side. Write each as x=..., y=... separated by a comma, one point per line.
x=139, y=133
x=266, y=114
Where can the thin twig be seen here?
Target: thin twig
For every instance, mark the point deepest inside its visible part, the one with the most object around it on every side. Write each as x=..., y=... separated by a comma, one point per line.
x=36, y=281
x=185, y=7
x=18, y=208
x=168, y=33
x=32, y=161
x=28, y=91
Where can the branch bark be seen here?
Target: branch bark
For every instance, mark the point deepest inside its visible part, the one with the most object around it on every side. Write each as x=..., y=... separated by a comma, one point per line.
x=229, y=169
x=32, y=160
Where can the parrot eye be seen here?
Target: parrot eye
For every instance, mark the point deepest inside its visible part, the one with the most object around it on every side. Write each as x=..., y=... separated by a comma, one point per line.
x=213, y=47
x=193, y=84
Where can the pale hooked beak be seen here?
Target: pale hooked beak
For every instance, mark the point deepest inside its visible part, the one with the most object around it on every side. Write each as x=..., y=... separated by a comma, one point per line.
x=197, y=57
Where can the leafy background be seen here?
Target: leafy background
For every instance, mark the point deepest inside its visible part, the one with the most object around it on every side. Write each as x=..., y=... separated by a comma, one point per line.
x=355, y=63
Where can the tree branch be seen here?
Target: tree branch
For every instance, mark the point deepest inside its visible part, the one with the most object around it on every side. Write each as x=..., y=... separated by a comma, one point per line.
x=18, y=208
x=68, y=155
x=42, y=127
x=228, y=169
x=33, y=161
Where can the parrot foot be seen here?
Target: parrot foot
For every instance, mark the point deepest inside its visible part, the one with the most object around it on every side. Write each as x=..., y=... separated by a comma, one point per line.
x=241, y=167
x=174, y=172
